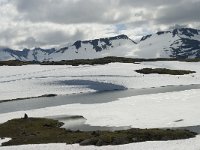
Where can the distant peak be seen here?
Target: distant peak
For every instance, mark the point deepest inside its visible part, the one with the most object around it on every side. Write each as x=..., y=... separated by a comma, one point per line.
x=189, y=32
x=5, y=49
x=122, y=36
x=186, y=31
x=145, y=37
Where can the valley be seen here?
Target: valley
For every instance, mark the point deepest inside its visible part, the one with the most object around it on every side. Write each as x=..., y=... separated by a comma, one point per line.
x=110, y=95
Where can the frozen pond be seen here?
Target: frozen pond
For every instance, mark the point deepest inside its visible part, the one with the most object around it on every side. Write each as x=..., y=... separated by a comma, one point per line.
x=88, y=98
x=79, y=123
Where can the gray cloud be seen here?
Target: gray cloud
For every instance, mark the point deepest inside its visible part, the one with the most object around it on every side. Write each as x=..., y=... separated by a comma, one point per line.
x=180, y=13
x=7, y=37
x=71, y=11
x=148, y=3
x=109, y=11
x=30, y=42
x=50, y=38
x=57, y=37
x=29, y=23
x=8, y=34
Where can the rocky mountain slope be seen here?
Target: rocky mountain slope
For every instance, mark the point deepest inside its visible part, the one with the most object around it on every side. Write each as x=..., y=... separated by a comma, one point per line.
x=178, y=43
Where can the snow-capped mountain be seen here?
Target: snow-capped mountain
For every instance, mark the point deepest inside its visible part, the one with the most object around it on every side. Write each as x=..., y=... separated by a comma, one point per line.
x=78, y=50
x=178, y=43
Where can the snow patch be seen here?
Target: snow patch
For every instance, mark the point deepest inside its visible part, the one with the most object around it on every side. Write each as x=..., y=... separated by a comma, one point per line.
x=4, y=140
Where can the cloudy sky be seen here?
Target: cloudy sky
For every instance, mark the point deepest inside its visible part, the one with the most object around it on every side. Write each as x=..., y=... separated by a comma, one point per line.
x=33, y=23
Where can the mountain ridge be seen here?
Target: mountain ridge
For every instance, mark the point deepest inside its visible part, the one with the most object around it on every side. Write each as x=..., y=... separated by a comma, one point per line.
x=178, y=43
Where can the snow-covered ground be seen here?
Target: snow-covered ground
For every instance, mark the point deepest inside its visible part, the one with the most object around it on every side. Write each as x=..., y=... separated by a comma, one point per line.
x=189, y=144
x=142, y=111
x=35, y=80
x=4, y=140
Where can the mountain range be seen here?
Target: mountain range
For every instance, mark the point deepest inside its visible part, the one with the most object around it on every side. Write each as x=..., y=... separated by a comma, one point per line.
x=180, y=43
